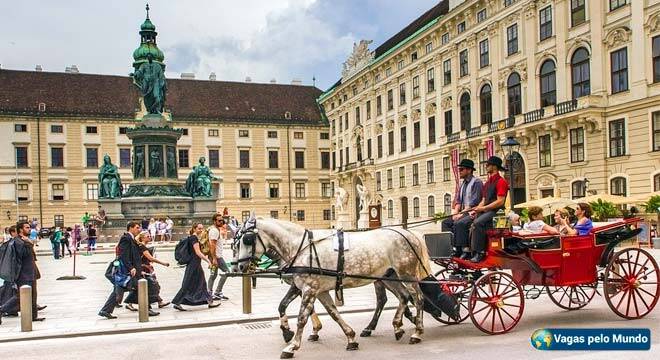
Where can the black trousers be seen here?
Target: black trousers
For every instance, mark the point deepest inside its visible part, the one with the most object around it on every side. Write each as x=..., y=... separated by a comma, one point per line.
x=116, y=296
x=460, y=228
x=14, y=302
x=478, y=237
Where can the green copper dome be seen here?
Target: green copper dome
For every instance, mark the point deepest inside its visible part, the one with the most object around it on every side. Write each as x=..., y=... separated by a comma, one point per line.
x=148, y=47
x=147, y=25
x=142, y=53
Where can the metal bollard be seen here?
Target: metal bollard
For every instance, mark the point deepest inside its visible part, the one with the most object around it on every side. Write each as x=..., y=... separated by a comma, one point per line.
x=26, y=307
x=247, y=295
x=143, y=300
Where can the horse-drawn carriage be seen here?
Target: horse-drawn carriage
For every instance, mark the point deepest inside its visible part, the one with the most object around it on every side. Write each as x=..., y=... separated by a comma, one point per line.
x=567, y=268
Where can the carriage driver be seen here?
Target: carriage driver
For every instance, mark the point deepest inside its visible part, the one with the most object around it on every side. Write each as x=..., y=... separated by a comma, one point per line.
x=468, y=195
x=494, y=195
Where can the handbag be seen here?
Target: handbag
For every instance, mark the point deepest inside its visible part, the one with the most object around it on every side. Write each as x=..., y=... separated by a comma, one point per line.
x=121, y=277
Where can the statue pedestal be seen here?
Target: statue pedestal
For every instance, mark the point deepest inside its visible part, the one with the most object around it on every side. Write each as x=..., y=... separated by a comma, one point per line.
x=343, y=222
x=363, y=220
x=204, y=207
x=112, y=208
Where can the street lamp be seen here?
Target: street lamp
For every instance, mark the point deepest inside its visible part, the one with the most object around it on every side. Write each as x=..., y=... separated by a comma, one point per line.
x=511, y=146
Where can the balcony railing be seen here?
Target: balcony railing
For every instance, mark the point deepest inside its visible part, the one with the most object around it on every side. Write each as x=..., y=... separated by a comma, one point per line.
x=535, y=115
x=502, y=124
x=355, y=165
x=473, y=132
x=566, y=107
x=453, y=137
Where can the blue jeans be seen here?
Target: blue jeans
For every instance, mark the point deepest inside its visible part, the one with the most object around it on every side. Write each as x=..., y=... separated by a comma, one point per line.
x=56, y=249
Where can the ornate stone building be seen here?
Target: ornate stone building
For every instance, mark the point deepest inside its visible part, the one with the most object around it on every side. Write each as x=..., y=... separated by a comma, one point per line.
x=576, y=82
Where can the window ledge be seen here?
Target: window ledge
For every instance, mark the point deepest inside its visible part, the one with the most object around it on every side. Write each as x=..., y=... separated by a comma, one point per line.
x=578, y=163
x=621, y=157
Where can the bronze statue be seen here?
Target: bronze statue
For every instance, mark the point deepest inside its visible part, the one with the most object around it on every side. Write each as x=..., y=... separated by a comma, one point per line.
x=171, y=162
x=156, y=163
x=109, y=180
x=199, y=180
x=138, y=162
x=150, y=79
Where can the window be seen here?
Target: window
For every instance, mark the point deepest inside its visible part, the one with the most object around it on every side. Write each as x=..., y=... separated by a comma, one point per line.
x=656, y=182
x=580, y=73
x=59, y=129
x=615, y=4
x=545, y=152
x=449, y=123
x=388, y=72
x=618, y=186
x=369, y=149
x=216, y=132
x=300, y=159
x=548, y=84
x=446, y=70
x=413, y=56
x=619, y=65
x=184, y=161
x=324, y=136
x=415, y=174
x=429, y=47
x=578, y=189
x=390, y=143
x=245, y=190
x=355, y=90
x=325, y=160
x=389, y=178
x=447, y=204
x=379, y=146
x=92, y=157
x=300, y=215
x=125, y=158
x=57, y=157
x=483, y=157
x=58, y=192
x=91, y=130
x=368, y=109
x=402, y=94
x=92, y=191
x=430, y=80
x=326, y=214
x=656, y=59
x=400, y=65
x=446, y=169
x=390, y=209
x=656, y=130
x=20, y=127
x=299, y=134
x=483, y=54
x=214, y=158
x=123, y=130
x=273, y=134
x=416, y=207
x=58, y=220
x=390, y=99
x=379, y=105
x=341, y=122
x=465, y=111
x=403, y=139
x=326, y=189
x=481, y=15
x=185, y=132
x=22, y=192
x=241, y=133
x=417, y=142
x=244, y=159
x=445, y=38
x=274, y=214
x=578, y=12
x=300, y=190
x=545, y=23
x=485, y=100
x=432, y=130
x=430, y=172
x=346, y=121
x=273, y=190
x=514, y=94
x=379, y=181
x=463, y=61
x=460, y=27
x=577, y=145
x=402, y=176
x=512, y=39
x=617, y=138
x=21, y=156
x=415, y=87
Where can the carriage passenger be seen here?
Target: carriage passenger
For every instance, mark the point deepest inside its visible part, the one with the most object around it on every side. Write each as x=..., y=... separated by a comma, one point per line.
x=583, y=224
x=536, y=225
x=561, y=221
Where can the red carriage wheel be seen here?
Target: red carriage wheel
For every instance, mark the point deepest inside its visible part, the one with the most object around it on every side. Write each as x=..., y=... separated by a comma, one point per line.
x=461, y=289
x=572, y=297
x=496, y=303
x=631, y=283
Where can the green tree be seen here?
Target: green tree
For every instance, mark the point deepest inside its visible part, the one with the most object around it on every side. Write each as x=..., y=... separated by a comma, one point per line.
x=602, y=210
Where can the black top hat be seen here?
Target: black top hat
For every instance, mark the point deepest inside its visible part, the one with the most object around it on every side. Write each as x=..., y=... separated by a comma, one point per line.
x=467, y=163
x=494, y=160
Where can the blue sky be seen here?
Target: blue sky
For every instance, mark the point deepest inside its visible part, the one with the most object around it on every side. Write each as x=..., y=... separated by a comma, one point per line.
x=262, y=39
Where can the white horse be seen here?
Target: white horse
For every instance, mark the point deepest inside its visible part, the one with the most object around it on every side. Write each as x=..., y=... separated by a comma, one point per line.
x=374, y=253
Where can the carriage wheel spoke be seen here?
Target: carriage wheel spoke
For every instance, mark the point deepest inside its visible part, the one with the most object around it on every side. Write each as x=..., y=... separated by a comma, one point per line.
x=499, y=314
x=645, y=291
x=636, y=263
x=512, y=305
x=492, y=321
x=633, y=295
x=507, y=313
x=481, y=324
x=616, y=273
x=563, y=295
x=637, y=274
x=642, y=299
x=480, y=310
x=628, y=302
x=486, y=295
x=623, y=296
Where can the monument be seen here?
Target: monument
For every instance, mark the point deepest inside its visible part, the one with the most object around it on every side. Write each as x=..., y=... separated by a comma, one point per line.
x=365, y=200
x=156, y=190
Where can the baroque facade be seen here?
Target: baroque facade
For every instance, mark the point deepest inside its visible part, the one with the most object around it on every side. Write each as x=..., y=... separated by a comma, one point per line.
x=576, y=82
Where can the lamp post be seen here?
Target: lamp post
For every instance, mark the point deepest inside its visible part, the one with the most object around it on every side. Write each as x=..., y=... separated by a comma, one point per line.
x=511, y=146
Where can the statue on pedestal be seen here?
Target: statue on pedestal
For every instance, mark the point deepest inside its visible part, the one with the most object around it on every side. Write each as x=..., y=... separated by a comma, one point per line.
x=364, y=196
x=171, y=162
x=341, y=199
x=199, y=181
x=150, y=79
x=155, y=163
x=109, y=180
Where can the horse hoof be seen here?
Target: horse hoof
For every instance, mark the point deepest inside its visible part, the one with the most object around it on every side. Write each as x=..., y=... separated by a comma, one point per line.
x=365, y=333
x=313, y=338
x=286, y=355
x=399, y=334
x=352, y=346
x=414, y=340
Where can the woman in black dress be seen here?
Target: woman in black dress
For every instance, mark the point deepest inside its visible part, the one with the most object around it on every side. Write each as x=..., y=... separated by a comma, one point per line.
x=193, y=288
x=153, y=287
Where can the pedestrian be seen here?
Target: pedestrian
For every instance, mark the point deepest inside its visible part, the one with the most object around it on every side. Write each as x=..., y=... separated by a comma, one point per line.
x=143, y=239
x=55, y=241
x=193, y=287
x=64, y=243
x=145, y=223
x=217, y=260
x=128, y=255
x=152, y=228
x=85, y=219
x=76, y=236
x=225, y=214
x=162, y=229
x=168, y=228
x=91, y=238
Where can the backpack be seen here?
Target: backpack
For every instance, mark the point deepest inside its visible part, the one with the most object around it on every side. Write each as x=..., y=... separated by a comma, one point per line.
x=8, y=261
x=204, y=243
x=183, y=252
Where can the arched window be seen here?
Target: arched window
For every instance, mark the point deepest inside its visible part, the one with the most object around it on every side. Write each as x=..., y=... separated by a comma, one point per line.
x=514, y=94
x=578, y=189
x=430, y=212
x=465, y=111
x=416, y=207
x=656, y=182
x=486, y=105
x=548, y=83
x=390, y=209
x=580, y=76
x=618, y=186
x=447, y=204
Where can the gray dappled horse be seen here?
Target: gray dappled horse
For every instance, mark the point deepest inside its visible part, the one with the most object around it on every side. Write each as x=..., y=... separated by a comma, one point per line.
x=373, y=253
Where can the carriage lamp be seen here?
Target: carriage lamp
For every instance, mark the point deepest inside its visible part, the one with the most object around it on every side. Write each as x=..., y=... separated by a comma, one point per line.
x=511, y=146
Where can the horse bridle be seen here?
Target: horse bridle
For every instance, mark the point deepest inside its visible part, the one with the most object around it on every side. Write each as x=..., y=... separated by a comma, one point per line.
x=249, y=237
